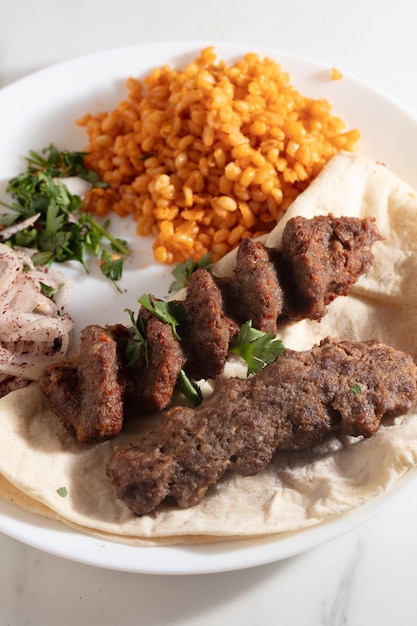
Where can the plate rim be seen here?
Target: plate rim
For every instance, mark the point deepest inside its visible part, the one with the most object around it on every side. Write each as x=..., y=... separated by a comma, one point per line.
x=337, y=527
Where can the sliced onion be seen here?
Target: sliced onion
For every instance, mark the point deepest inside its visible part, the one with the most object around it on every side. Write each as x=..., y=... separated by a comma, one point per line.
x=34, y=329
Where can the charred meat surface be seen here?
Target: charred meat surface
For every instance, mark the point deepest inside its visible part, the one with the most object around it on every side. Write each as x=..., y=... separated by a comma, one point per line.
x=93, y=397
x=292, y=404
x=152, y=385
x=254, y=292
x=207, y=335
x=88, y=398
x=322, y=258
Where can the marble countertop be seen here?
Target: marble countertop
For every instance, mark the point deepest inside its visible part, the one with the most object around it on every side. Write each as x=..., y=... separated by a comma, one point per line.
x=365, y=577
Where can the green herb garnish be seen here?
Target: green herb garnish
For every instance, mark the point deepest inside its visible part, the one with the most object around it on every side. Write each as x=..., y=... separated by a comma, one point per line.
x=112, y=265
x=256, y=347
x=62, y=491
x=190, y=390
x=60, y=163
x=183, y=271
x=145, y=157
x=49, y=291
x=50, y=216
x=137, y=342
x=172, y=313
x=356, y=389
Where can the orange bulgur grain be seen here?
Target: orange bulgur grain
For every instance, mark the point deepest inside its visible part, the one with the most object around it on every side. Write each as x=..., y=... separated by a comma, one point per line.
x=336, y=74
x=207, y=155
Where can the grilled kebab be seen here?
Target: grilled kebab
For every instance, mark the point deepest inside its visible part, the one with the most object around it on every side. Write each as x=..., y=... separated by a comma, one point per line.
x=295, y=402
x=320, y=258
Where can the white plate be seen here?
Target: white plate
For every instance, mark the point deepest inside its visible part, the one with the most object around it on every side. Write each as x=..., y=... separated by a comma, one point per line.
x=42, y=108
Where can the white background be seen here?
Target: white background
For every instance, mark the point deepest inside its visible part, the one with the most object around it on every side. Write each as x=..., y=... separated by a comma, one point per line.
x=366, y=577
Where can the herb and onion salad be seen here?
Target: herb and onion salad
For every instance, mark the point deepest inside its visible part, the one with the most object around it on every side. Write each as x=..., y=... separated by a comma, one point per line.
x=35, y=328
x=47, y=217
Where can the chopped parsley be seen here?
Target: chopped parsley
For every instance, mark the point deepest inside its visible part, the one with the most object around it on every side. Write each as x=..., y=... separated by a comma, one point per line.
x=172, y=313
x=46, y=216
x=48, y=291
x=62, y=164
x=137, y=343
x=189, y=389
x=183, y=271
x=62, y=491
x=257, y=348
x=356, y=389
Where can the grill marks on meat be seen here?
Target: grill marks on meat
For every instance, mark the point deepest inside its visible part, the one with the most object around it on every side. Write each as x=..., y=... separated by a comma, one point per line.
x=93, y=397
x=294, y=403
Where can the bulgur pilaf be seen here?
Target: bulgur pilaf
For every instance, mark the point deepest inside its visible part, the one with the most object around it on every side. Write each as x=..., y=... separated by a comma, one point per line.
x=205, y=156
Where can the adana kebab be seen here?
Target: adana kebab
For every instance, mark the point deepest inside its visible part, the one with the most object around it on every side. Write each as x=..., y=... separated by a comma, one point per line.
x=319, y=259
x=292, y=404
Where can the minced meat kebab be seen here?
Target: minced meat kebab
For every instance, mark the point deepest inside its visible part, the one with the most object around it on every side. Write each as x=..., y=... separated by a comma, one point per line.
x=292, y=404
x=320, y=259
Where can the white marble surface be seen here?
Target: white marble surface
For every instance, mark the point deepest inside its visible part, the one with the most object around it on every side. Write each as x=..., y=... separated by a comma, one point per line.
x=366, y=577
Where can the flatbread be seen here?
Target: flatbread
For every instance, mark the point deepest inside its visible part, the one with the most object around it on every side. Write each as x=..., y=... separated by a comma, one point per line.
x=299, y=489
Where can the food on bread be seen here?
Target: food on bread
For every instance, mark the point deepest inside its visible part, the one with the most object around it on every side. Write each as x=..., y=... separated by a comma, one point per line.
x=293, y=404
x=92, y=396
x=299, y=488
x=320, y=259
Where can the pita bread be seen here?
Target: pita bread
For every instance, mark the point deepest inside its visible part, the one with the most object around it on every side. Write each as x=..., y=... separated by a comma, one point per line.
x=299, y=489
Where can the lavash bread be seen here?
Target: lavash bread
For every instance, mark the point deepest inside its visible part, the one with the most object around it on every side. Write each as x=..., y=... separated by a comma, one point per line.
x=299, y=489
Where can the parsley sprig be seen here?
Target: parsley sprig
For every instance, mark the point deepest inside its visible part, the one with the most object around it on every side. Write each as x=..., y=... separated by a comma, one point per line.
x=63, y=163
x=183, y=271
x=170, y=312
x=189, y=389
x=137, y=343
x=256, y=347
x=174, y=314
x=50, y=216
